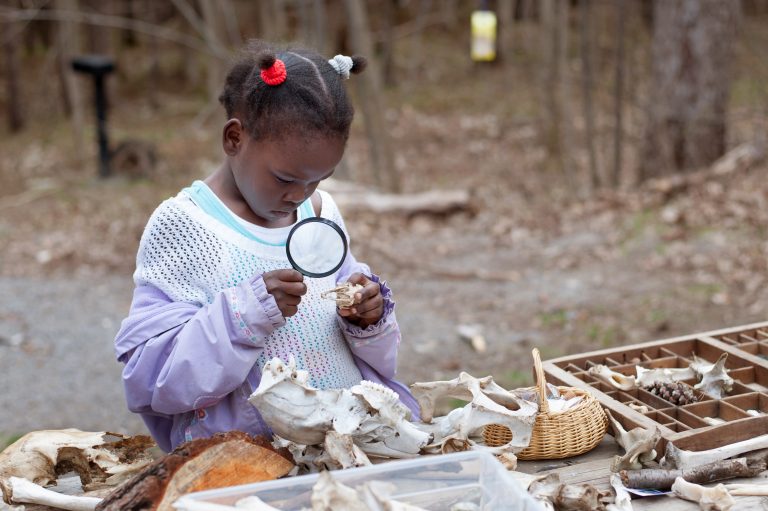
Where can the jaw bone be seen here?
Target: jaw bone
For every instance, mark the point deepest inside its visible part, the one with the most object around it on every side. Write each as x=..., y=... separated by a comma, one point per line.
x=616, y=380
x=647, y=377
x=714, y=378
x=489, y=404
x=370, y=413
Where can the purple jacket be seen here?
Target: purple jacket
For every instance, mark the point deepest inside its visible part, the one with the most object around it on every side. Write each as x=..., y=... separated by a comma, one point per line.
x=189, y=369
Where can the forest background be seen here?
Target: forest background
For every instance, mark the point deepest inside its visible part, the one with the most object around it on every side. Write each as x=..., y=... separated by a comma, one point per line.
x=612, y=157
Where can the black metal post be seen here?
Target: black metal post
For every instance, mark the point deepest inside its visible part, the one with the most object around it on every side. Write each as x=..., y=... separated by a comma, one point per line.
x=98, y=66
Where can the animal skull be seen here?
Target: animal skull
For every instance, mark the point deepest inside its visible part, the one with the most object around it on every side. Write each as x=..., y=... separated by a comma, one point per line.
x=489, y=404
x=343, y=294
x=370, y=413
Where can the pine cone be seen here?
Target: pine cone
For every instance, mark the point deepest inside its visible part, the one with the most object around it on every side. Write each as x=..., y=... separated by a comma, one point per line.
x=677, y=393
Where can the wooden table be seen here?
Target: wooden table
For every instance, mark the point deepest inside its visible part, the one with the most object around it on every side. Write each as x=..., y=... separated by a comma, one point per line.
x=591, y=468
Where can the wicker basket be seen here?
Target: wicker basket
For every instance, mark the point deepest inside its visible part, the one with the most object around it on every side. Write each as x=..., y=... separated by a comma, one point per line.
x=556, y=434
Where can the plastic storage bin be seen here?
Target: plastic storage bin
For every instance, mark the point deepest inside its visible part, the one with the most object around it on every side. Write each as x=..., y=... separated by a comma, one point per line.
x=435, y=483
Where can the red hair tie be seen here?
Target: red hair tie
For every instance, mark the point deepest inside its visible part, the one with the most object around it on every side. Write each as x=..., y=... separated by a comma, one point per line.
x=274, y=75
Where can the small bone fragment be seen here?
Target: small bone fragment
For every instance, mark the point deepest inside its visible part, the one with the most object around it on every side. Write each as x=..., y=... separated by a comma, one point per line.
x=473, y=334
x=254, y=503
x=638, y=408
x=714, y=378
x=623, y=501
x=647, y=377
x=343, y=294
x=508, y=459
x=638, y=445
x=679, y=458
x=329, y=495
x=577, y=497
x=713, y=421
x=617, y=380
x=377, y=496
x=755, y=413
x=23, y=491
x=662, y=479
x=342, y=450
x=709, y=499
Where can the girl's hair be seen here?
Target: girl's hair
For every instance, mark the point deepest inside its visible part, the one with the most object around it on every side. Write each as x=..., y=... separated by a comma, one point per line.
x=311, y=101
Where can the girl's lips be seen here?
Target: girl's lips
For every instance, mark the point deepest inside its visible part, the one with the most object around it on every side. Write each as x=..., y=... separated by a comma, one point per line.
x=281, y=214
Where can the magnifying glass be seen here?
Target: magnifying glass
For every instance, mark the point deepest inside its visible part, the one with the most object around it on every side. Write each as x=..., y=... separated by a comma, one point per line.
x=316, y=247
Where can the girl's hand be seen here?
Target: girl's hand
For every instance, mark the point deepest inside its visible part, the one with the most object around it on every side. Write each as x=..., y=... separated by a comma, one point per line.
x=287, y=287
x=369, y=304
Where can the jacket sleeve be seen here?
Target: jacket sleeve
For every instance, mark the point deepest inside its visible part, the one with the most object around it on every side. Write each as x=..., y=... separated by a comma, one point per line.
x=378, y=343
x=181, y=356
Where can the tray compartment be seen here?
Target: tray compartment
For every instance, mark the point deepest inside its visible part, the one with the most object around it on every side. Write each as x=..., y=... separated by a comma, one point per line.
x=757, y=401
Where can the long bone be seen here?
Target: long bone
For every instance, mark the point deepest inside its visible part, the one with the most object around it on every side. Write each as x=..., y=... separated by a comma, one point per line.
x=682, y=459
x=24, y=491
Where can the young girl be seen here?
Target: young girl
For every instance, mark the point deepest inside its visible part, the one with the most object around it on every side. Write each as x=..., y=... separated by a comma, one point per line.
x=215, y=297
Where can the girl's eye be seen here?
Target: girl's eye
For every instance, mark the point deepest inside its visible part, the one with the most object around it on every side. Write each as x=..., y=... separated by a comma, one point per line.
x=283, y=181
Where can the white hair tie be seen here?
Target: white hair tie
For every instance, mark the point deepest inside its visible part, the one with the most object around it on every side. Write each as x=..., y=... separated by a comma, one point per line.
x=342, y=64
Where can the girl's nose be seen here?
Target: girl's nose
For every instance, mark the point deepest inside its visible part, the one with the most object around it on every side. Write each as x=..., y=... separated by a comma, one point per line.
x=296, y=194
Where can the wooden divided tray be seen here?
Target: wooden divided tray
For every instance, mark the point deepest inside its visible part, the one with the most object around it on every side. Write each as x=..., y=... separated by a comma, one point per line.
x=684, y=425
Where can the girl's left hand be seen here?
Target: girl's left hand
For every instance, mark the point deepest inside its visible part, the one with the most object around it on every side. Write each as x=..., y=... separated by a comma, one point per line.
x=369, y=304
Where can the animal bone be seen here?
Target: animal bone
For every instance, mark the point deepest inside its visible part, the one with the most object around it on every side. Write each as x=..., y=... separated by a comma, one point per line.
x=709, y=499
x=329, y=494
x=371, y=413
x=647, y=377
x=713, y=421
x=745, y=489
x=755, y=413
x=638, y=408
x=679, y=458
x=343, y=294
x=714, y=378
x=549, y=490
x=23, y=491
x=488, y=403
x=623, y=501
x=96, y=459
x=638, y=445
x=342, y=450
x=613, y=378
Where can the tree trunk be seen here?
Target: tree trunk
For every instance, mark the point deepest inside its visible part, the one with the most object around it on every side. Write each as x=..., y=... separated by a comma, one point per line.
x=618, y=96
x=691, y=53
x=587, y=49
x=10, y=44
x=69, y=45
x=370, y=99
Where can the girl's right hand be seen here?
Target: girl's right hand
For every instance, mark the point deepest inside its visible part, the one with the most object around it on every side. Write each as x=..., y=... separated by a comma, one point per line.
x=287, y=287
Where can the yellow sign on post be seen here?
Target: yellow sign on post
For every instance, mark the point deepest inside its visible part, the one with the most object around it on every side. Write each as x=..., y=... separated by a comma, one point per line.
x=483, y=36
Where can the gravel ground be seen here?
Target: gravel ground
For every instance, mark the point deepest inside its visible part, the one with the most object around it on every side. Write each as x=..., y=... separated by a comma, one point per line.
x=57, y=368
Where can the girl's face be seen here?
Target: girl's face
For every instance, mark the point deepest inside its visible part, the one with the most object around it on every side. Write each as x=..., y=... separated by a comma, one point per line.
x=275, y=176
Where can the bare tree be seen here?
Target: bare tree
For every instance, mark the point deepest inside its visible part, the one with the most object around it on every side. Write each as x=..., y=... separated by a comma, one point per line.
x=691, y=53
x=370, y=99
x=69, y=45
x=10, y=43
x=587, y=79
x=618, y=96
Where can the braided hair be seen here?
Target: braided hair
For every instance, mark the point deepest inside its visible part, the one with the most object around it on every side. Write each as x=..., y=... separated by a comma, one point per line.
x=307, y=98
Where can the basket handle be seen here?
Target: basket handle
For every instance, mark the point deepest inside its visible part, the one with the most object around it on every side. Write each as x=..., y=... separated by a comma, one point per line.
x=541, y=383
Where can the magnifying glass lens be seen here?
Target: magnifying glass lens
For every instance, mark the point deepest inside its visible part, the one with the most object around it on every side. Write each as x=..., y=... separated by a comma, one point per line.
x=316, y=247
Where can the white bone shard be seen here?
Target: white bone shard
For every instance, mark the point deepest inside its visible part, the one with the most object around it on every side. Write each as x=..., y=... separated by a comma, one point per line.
x=489, y=403
x=647, y=377
x=343, y=294
x=614, y=379
x=714, y=378
x=370, y=413
x=716, y=498
x=328, y=494
x=681, y=459
x=343, y=452
x=747, y=489
x=638, y=445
